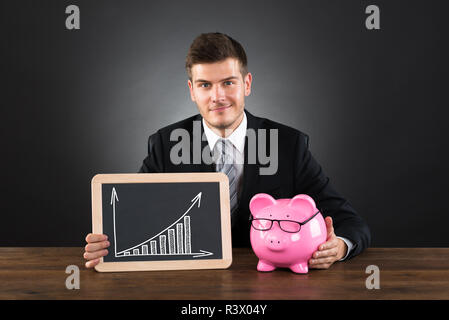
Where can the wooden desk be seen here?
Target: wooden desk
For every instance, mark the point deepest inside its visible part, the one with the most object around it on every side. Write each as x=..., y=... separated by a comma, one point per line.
x=405, y=273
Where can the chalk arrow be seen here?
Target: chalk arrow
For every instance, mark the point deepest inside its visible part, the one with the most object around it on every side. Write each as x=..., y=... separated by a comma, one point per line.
x=203, y=254
x=197, y=198
x=114, y=195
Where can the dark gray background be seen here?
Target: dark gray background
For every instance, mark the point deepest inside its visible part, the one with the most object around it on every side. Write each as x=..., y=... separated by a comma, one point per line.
x=78, y=103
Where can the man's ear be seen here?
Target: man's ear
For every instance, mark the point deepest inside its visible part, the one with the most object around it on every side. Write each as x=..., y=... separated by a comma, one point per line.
x=192, y=96
x=248, y=80
x=260, y=201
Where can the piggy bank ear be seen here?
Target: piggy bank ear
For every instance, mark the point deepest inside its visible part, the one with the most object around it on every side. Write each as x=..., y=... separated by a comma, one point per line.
x=303, y=203
x=260, y=201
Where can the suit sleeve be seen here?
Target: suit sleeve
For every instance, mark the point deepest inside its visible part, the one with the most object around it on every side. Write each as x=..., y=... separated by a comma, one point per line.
x=154, y=162
x=310, y=179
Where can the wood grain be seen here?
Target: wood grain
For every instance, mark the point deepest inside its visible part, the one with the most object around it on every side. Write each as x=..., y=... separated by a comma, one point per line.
x=405, y=273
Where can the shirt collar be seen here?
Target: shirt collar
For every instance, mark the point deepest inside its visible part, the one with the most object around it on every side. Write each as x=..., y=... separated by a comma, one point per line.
x=237, y=137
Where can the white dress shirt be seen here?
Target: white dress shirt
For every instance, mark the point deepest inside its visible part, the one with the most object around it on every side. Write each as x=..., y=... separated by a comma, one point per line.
x=237, y=138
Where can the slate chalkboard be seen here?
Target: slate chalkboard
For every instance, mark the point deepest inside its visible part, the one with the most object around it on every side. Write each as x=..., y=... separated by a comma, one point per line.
x=166, y=221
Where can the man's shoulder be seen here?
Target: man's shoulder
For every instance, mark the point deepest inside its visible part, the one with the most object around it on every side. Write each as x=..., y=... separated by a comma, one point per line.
x=265, y=123
x=186, y=124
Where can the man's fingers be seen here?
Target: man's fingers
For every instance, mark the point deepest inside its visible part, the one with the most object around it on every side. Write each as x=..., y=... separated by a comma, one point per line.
x=95, y=249
x=327, y=253
x=95, y=255
x=92, y=263
x=92, y=247
x=332, y=243
x=332, y=252
x=326, y=260
x=92, y=237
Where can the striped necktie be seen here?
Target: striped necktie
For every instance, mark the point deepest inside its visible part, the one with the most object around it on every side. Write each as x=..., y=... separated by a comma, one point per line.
x=225, y=163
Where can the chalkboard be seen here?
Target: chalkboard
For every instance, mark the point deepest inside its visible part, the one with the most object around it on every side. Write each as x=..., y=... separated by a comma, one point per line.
x=163, y=221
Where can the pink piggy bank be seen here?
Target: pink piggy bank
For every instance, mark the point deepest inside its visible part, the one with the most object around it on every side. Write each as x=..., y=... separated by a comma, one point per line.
x=285, y=232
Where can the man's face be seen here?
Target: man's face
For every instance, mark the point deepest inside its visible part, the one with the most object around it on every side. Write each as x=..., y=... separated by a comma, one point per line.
x=219, y=92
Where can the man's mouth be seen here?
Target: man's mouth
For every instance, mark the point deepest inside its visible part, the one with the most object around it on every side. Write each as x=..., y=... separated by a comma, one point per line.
x=221, y=108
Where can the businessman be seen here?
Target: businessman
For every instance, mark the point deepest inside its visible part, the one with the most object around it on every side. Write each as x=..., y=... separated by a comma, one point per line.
x=219, y=81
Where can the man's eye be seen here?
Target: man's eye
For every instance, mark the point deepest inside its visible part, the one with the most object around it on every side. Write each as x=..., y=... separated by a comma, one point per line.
x=203, y=85
x=228, y=83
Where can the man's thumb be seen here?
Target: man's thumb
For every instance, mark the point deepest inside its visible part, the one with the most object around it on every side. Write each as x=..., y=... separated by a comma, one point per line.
x=329, y=226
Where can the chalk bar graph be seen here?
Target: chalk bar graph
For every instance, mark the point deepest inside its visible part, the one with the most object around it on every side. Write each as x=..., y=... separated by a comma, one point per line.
x=174, y=240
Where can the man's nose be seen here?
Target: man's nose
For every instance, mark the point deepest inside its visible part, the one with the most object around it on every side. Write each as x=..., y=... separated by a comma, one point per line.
x=217, y=94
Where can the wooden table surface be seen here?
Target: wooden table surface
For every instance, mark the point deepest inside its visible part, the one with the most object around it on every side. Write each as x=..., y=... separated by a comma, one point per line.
x=405, y=273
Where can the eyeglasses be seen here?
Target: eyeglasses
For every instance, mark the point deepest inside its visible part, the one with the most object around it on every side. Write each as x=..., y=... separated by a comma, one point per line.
x=290, y=226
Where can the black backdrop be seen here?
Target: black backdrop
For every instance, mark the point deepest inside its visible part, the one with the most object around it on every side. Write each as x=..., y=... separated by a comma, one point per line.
x=80, y=102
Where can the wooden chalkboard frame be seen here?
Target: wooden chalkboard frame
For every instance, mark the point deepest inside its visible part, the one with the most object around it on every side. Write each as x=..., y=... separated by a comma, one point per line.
x=97, y=219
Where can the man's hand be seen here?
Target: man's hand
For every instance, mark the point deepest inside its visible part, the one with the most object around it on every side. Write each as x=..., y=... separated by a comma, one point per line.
x=332, y=250
x=95, y=249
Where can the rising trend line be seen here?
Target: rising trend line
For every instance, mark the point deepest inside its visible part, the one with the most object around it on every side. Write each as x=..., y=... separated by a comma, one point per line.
x=114, y=197
x=196, y=199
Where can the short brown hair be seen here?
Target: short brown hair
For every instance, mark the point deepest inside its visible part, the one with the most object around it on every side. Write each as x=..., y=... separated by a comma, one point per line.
x=215, y=47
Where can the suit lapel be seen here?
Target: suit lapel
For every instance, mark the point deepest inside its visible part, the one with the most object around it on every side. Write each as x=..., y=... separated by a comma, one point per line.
x=250, y=176
x=205, y=146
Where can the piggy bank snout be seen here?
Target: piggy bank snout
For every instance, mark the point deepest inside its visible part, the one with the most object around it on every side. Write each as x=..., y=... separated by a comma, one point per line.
x=275, y=241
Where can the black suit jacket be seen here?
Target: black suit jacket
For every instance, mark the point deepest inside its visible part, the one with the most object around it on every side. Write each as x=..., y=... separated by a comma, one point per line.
x=298, y=173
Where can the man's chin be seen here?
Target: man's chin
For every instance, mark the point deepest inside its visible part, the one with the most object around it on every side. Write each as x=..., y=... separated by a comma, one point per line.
x=223, y=121
x=222, y=124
